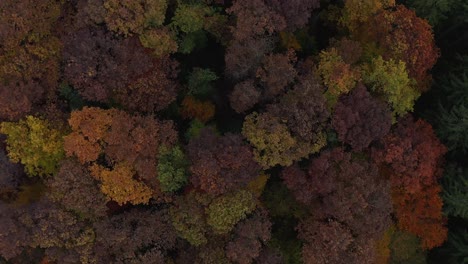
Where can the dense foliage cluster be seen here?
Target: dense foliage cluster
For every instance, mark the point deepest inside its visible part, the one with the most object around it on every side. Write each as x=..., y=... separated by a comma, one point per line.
x=243, y=131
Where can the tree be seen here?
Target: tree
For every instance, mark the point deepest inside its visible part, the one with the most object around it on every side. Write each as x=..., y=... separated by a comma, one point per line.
x=11, y=176
x=44, y=225
x=272, y=142
x=244, y=96
x=420, y=213
x=413, y=154
x=453, y=104
x=29, y=56
x=291, y=129
x=335, y=175
x=332, y=242
x=18, y=98
x=76, y=190
x=250, y=235
x=416, y=46
x=153, y=91
x=135, y=236
x=172, y=169
x=338, y=76
x=227, y=210
x=406, y=248
x=119, y=184
x=276, y=73
x=35, y=143
x=13, y=237
x=305, y=112
x=244, y=57
x=356, y=14
x=190, y=18
x=255, y=18
x=188, y=218
x=359, y=119
x=160, y=40
x=130, y=17
x=117, y=144
x=103, y=65
x=390, y=79
x=296, y=13
x=349, y=50
x=455, y=248
x=455, y=186
x=196, y=109
x=200, y=82
x=220, y=164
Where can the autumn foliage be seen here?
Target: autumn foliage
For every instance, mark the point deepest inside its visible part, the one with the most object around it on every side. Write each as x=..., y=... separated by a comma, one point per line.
x=232, y=132
x=108, y=133
x=412, y=154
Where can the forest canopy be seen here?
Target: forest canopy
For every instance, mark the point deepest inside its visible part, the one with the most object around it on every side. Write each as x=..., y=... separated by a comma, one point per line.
x=236, y=132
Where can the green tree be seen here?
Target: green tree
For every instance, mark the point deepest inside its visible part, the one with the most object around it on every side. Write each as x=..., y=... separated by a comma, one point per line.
x=456, y=248
x=225, y=211
x=161, y=41
x=188, y=218
x=438, y=11
x=406, y=248
x=451, y=117
x=127, y=17
x=200, y=82
x=189, y=18
x=455, y=191
x=271, y=140
x=34, y=143
x=172, y=169
x=390, y=79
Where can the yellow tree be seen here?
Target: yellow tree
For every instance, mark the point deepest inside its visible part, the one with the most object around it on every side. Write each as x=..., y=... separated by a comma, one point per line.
x=34, y=143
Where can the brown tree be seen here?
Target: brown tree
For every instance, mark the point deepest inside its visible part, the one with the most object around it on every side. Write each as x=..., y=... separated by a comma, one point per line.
x=244, y=96
x=255, y=18
x=249, y=238
x=276, y=72
x=12, y=174
x=332, y=242
x=76, y=190
x=295, y=12
x=359, y=119
x=243, y=57
x=290, y=129
x=221, y=164
x=29, y=56
x=346, y=188
x=103, y=67
x=136, y=236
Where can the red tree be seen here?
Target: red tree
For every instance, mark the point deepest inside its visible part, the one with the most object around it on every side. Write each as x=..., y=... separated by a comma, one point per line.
x=412, y=153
